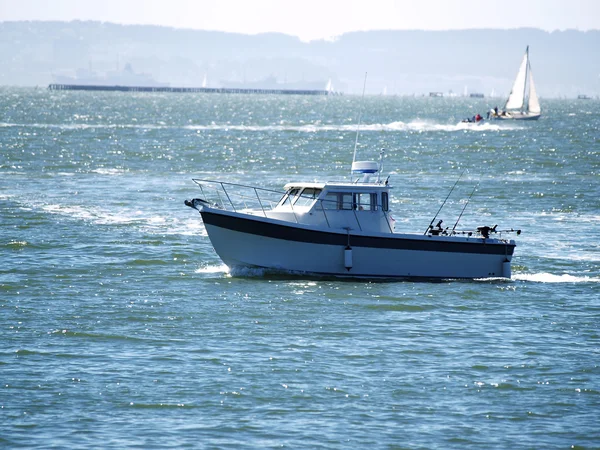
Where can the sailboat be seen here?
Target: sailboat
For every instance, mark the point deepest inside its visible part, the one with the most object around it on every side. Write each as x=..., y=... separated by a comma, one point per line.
x=523, y=102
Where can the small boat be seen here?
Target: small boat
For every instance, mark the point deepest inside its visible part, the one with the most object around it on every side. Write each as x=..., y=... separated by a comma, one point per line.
x=476, y=119
x=523, y=102
x=341, y=229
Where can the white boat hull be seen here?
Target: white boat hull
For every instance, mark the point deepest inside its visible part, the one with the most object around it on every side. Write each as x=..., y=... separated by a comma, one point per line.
x=516, y=116
x=244, y=241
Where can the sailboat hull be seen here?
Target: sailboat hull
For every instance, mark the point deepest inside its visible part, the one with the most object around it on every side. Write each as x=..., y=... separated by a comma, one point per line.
x=528, y=117
x=517, y=116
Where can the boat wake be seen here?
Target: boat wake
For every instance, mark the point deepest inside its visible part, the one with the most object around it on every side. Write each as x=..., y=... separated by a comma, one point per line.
x=143, y=220
x=213, y=269
x=552, y=278
x=247, y=272
x=461, y=126
x=240, y=272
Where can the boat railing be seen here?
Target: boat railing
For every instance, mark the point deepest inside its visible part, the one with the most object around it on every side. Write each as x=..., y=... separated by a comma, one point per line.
x=237, y=197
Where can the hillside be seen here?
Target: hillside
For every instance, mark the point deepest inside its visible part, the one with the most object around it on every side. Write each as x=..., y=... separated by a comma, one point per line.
x=398, y=62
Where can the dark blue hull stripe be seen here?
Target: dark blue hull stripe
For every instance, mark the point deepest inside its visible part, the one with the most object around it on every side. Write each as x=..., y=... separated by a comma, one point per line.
x=291, y=233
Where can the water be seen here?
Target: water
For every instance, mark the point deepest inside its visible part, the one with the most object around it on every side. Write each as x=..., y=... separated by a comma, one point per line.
x=121, y=328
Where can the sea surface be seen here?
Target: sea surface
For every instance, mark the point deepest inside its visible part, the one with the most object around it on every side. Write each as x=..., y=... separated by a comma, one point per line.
x=121, y=328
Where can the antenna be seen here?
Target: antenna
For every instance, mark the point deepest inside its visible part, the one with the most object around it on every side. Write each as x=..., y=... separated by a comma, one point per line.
x=380, y=164
x=464, y=207
x=359, y=118
x=447, y=197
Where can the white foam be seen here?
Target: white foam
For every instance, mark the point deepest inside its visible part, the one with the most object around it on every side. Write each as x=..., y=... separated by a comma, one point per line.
x=586, y=258
x=552, y=278
x=82, y=126
x=149, y=222
x=110, y=171
x=211, y=269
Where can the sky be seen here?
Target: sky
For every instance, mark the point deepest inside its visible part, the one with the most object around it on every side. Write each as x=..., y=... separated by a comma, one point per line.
x=316, y=19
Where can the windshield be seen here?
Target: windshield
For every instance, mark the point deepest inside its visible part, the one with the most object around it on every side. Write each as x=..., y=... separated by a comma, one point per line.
x=298, y=196
x=307, y=197
x=289, y=197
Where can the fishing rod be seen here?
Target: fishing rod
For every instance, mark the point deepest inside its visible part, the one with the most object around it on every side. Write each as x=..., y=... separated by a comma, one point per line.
x=359, y=119
x=464, y=207
x=447, y=197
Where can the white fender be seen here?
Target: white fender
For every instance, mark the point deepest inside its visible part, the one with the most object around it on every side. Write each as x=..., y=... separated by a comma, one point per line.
x=348, y=258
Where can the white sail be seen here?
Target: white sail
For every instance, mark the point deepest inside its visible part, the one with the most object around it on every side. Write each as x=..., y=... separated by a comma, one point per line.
x=534, y=103
x=523, y=102
x=517, y=94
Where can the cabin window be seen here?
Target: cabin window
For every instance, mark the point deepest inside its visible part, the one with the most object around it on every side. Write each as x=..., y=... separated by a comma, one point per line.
x=365, y=201
x=345, y=201
x=290, y=197
x=294, y=195
x=308, y=196
x=384, y=201
x=338, y=200
x=330, y=201
x=282, y=200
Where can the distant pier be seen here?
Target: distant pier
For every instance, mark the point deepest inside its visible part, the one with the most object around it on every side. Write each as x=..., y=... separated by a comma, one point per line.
x=81, y=87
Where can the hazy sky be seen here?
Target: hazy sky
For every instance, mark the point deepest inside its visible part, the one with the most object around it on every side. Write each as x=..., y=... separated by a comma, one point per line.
x=316, y=19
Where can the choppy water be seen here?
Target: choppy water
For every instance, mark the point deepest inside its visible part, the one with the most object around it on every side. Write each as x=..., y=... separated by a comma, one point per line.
x=120, y=326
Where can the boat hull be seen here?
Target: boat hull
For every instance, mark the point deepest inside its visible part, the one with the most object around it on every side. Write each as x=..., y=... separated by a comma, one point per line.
x=517, y=116
x=244, y=241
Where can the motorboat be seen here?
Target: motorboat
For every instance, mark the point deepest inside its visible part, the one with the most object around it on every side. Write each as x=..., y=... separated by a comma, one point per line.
x=341, y=229
x=476, y=119
x=523, y=102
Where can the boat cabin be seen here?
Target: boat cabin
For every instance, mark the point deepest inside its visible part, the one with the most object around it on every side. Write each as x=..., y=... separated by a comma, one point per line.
x=361, y=205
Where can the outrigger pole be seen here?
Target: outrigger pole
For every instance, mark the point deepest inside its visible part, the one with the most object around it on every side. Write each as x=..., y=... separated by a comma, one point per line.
x=464, y=207
x=447, y=197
